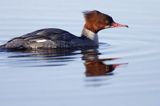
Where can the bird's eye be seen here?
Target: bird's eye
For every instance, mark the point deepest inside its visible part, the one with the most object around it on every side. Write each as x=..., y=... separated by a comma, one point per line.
x=107, y=22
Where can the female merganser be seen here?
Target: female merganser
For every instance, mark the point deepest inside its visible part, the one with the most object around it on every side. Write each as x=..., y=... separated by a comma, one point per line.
x=52, y=38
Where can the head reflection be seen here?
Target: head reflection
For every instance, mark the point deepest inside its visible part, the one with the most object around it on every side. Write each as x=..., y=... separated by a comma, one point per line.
x=95, y=66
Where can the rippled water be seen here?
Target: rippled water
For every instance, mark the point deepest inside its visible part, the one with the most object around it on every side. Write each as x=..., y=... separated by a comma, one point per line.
x=77, y=78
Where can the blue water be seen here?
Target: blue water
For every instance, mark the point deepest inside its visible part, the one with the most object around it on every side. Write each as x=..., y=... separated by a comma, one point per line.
x=70, y=78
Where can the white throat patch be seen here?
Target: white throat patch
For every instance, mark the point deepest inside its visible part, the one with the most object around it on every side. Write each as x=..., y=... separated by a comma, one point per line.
x=91, y=35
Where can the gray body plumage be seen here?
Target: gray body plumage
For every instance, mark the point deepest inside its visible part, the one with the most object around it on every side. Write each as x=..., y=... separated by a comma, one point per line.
x=48, y=38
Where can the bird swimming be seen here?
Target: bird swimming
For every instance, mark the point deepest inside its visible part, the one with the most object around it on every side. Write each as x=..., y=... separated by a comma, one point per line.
x=54, y=38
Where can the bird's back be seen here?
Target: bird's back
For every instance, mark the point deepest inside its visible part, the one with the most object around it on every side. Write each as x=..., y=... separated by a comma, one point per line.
x=44, y=38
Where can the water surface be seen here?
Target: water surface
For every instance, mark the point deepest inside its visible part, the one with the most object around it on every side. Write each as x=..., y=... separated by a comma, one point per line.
x=77, y=78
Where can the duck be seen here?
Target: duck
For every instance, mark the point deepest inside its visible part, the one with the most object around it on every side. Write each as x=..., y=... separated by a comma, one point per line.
x=55, y=38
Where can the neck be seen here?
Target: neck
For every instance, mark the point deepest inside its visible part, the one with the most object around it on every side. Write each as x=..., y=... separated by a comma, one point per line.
x=90, y=35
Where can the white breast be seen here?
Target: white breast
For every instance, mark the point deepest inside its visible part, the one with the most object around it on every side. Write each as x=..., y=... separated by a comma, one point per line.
x=91, y=35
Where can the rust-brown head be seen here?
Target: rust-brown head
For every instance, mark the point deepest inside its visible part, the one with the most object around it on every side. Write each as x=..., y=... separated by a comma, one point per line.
x=96, y=21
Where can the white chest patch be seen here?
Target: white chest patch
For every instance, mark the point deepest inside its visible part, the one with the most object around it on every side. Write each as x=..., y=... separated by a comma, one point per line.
x=91, y=35
x=41, y=40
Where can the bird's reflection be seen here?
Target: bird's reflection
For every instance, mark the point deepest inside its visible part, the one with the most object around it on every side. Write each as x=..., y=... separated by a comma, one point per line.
x=95, y=66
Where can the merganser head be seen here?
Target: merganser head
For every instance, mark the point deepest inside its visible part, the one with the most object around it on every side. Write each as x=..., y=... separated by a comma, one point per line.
x=96, y=21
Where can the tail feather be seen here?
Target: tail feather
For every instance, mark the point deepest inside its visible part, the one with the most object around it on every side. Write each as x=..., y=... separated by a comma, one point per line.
x=2, y=46
x=14, y=44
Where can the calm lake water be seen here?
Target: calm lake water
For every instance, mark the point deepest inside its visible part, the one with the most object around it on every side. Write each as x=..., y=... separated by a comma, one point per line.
x=77, y=78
